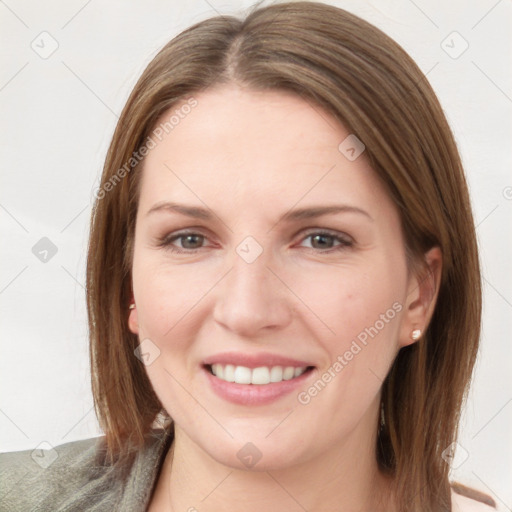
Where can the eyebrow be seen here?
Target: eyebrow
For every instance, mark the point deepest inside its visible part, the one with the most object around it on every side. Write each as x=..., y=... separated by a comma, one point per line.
x=292, y=215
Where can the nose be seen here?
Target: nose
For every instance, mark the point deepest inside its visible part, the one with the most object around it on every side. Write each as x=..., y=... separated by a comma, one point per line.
x=251, y=299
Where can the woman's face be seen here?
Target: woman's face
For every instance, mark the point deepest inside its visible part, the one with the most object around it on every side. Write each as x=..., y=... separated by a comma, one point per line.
x=255, y=276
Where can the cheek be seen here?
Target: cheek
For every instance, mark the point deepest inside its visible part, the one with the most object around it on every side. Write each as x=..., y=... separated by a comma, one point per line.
x=355, y=314
x=359, y=315
x=167, y=299
x=166, y=294
x=172, y=305
x=346, y=301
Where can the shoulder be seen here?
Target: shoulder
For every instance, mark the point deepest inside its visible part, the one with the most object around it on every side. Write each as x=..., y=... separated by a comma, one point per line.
x=45, y=478
x=466, y=499
x=68, y=477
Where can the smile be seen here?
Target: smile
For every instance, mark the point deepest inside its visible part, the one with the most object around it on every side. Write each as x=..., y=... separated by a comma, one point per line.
x=259, y=376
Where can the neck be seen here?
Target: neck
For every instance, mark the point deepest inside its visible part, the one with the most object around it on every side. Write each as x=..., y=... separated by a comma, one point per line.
x=344, y=478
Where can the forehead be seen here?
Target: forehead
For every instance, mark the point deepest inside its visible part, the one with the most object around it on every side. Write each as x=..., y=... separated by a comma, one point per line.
x=253, y=149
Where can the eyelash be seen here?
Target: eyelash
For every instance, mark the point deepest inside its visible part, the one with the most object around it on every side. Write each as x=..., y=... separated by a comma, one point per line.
x=344, y=241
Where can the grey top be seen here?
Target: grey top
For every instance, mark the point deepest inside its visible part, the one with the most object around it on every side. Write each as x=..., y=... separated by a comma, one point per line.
x=75, y=477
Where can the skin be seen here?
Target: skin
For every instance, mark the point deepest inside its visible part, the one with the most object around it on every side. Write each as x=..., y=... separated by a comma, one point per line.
x=250, y=157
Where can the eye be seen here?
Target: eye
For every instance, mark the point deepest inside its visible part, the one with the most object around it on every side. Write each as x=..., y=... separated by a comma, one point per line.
x=322, y=241
x=328, y=241
x=190, y=242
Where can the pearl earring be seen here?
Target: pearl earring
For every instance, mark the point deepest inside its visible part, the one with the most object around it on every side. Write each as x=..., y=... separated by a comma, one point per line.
x=416, y=334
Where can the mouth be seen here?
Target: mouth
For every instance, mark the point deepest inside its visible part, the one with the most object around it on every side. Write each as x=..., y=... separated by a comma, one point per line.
x=257, y=384
x=259, y=376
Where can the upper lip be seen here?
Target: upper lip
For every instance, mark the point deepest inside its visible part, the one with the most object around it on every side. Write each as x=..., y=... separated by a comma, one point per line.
x=254, y=360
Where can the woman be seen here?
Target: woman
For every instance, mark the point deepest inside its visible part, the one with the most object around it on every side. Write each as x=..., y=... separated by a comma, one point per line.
x=283, y=267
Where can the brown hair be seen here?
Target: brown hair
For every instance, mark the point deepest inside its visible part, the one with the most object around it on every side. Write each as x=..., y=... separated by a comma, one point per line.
x=335, y=60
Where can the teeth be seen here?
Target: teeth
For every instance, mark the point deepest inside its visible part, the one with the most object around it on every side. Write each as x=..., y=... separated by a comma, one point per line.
x=242, y=375
x=288, y=373
x=229, y=373
x=299, y=371
x=276, y=374
x=220, y=371
x=259, y=376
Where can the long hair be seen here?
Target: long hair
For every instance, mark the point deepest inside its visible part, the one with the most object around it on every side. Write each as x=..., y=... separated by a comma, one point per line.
x=337, y=61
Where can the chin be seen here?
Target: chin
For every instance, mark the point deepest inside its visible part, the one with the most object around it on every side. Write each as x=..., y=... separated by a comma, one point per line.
x=256, y=455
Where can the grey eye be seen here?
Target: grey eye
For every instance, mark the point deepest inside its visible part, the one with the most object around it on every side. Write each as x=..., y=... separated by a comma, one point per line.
x=191, y=241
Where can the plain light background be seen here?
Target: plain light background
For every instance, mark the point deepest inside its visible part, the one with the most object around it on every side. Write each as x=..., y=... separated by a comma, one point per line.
x=59, y=111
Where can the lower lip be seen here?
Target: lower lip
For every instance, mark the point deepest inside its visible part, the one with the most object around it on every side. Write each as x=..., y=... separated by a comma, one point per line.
x=254, y=394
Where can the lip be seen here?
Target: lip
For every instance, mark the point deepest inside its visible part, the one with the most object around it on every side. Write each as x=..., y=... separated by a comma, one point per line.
x=254, y=394
x=254, y=360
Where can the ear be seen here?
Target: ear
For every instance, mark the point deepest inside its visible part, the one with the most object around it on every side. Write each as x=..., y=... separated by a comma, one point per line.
x=133, y=321
x=422, y=291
